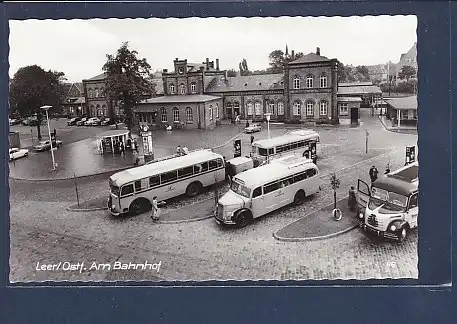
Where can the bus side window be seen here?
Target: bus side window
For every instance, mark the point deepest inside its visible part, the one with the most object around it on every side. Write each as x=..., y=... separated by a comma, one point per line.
x=197, y=168
x=212, y=164
x=127, y=190
x=301, y=144
x=204, y=166
x=185, y=172
x=413, y=201
x=154, y=181
x=310, y=173
x=138, y=185
x=219, y=162
x=271, y=151
x=299, y=177
x=279, y=149
x=270, y=187
x=257, y=192
x=293, y=146
x=169, y=176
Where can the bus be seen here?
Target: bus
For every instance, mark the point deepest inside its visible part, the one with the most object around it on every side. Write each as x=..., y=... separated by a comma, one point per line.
x=262, y=190
x=389, y=208
x=132, y=190
x=303, y=142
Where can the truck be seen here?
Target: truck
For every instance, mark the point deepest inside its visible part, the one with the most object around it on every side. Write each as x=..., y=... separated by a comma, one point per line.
x=389, y=207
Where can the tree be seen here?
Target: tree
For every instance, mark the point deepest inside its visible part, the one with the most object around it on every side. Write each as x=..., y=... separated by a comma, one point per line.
x=342, y=73
x=33, y=87
x=244, y=70
x=335, y=183
x=127, y=80
x=231, y=73
x=407, y=72
x=362, y=73
x=276, y=58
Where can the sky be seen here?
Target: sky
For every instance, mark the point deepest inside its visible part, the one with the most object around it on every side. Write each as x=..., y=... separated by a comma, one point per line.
x=79, y=47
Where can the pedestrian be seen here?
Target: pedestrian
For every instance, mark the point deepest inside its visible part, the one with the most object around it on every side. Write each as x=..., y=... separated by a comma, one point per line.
x=155, y=210
x=179, y=150
x=237, y=119
x=373, y=174
x=352, y=201
x=252, y=139
x=247, y=123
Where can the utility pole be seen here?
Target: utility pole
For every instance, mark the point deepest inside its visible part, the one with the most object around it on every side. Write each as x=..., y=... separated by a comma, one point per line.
x=366, y=141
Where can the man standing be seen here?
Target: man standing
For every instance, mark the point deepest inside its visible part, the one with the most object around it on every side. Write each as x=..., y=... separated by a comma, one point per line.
x=155, y=211
x=252, y=139
x=373, y=174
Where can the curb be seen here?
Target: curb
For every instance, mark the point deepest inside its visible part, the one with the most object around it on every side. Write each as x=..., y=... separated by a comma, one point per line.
x=185, y=220
x=315, y=238
x=398, y=130
x=86, y=209
x=70, y=178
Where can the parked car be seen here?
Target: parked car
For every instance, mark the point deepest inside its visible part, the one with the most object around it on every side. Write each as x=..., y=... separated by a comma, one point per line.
x=81, y=122
x=14, y=121
x=46, y=145
x=253, y=128
x=16, y=153
x=73, y=121
x=93, y=121
x=107, y=121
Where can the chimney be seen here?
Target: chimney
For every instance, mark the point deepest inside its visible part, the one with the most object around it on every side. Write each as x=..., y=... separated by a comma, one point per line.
x=207, y=63
x=293, y=55
x=176, y=59
x=202, y=68
x=217, y=64
x=211, y=64
x=318, y=51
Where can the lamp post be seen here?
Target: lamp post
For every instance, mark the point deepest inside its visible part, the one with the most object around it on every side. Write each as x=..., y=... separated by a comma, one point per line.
x=46, y=108
x=268, y=115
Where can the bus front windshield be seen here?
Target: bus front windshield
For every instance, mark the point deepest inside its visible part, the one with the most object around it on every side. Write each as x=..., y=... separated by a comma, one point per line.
x=114, y=190
x=395, y=200
x=240, y=189
x=263, y=151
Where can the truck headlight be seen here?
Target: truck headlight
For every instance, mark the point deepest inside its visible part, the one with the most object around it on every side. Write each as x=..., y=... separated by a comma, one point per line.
x=112, y=206
x=361, y=215
x=393, y=228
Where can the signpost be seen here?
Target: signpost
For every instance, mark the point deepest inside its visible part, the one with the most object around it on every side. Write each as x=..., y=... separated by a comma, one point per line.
x=237, y=148
x=146, y=137
x=366, y=141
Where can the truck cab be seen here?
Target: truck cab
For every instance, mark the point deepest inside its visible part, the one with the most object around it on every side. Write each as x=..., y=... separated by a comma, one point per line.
x=389, y=207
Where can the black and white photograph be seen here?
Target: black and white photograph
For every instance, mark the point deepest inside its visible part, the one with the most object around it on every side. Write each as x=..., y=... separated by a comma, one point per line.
x=199, y=149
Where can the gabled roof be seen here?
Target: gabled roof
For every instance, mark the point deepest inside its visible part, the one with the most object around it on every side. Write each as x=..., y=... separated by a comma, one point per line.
x=403, y=103
x=78, y=86
x=246, y=83
x=99, y=77
x=310, y=58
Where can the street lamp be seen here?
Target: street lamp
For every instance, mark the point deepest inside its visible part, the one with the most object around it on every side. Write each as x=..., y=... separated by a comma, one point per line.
x=268, y=115
x=46, y=108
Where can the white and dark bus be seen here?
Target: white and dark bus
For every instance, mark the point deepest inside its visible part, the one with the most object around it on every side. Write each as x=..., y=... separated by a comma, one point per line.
x=259, y=191
x=132, y=190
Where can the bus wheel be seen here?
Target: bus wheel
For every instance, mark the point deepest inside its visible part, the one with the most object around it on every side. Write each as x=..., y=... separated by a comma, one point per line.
x=193, y=189
x=139, y=206
x=299, y=197
x=243, y=219
x=402, y=234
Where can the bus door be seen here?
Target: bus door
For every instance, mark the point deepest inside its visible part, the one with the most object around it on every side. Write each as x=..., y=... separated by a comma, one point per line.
x=313, y=150
x=363, y=194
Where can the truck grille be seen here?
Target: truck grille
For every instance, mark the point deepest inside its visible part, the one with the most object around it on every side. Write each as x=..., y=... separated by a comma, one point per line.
x=220, y=211
x=372, y=221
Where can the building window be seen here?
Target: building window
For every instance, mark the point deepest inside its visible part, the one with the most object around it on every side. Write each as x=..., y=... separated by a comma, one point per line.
x=217, y=111
x=105, y=110
x=182, y=88
x=404, y=114
x=343, y=109
x=324, y=108
x=228, y=107
x=281, y=108
x=249, y=108
x=271, y=108
x=193, y=87
x=89, y=93
x=210, y=112
x=97, y=110
x=96, y=93
x=258, y=108
x=102, y=92
x=309, y=81
x=189, y=116
x=296, y=83
x=296, y=111
x=414, y=114
x=175, y=114
x=323, y=80
x=92, y=110
x=163, y=113
x=236, y=106
x=172, y=88
x=310, y=108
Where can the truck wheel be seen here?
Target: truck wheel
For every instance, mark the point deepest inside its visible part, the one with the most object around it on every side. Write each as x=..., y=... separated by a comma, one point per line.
x=139, y=206
x=402, y=234
x=243, y=219
x=299, y=197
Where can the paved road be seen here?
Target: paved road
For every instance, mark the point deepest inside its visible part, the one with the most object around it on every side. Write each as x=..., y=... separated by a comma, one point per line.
x=43, y=231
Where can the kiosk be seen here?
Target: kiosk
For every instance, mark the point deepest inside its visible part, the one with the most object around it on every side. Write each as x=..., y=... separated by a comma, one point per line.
x=108, y=142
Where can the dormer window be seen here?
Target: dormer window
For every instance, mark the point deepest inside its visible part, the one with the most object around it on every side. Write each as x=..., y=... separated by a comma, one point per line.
x=172, y=88
x=193, y=87
x=182, y=88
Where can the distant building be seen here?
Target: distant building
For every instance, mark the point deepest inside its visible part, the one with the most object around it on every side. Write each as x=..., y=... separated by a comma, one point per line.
x=408, y=58
x=402, y=109
x=74, y=101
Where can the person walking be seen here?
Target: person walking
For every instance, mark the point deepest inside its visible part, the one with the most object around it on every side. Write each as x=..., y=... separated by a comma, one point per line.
x=155, y=210
x=352, y=201
x=373, y=174
x=252, y=139
x=247, y=123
